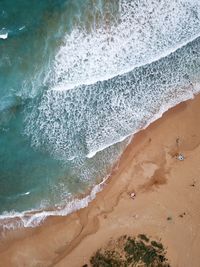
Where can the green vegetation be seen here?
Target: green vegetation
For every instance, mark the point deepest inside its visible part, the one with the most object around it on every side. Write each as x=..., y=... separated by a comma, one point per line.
x=129, y=251
x=106, y=259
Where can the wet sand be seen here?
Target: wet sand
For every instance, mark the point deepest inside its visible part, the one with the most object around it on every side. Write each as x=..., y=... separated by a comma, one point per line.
x=166, y=205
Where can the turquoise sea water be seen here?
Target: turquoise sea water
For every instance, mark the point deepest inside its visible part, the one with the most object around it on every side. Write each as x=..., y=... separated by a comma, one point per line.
x=79, y=77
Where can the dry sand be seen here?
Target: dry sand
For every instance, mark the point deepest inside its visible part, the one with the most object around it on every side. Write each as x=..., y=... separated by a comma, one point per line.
x=166, y=206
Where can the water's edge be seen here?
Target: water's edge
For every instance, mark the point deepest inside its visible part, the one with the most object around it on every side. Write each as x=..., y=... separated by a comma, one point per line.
x=34, y=218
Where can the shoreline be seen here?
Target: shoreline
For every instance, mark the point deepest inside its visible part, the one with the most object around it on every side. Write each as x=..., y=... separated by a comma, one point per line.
x=35, y=217
x=147, y=167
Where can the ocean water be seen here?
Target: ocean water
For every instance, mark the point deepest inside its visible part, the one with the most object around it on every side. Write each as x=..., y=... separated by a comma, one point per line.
x=77, y=80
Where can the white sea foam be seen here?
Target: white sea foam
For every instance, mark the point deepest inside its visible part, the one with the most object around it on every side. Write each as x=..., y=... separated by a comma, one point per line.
x=33, y=218
x=67, y=86
x=25, y=194
x=97, y=114
x=4, y=35
x=145, y=33
x=165, y=107
x=83, y=121
x=22, y=28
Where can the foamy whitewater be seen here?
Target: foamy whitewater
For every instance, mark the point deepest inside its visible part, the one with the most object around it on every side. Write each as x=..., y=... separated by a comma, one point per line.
x=91, y=74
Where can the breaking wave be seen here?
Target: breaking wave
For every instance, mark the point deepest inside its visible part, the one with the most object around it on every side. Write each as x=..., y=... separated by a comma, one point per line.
x=81, y=122
x=141, y=33
x=13, y=220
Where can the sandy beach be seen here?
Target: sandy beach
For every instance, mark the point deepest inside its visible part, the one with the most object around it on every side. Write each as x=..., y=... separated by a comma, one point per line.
x=161, y=167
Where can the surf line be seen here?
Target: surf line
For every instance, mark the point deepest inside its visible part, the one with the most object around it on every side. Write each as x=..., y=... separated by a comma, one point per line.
x=64, y=87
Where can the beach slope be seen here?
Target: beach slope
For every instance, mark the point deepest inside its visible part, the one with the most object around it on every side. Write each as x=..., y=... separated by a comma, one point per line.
x=161, y=167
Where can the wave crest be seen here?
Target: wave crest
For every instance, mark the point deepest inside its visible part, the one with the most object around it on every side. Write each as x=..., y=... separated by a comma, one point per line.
x=142, y=33
x=83, y=121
